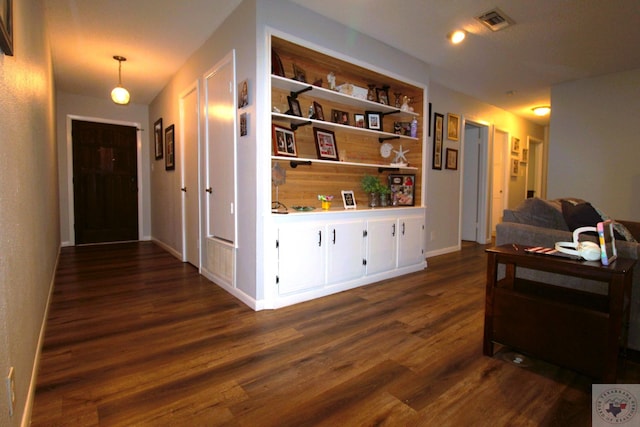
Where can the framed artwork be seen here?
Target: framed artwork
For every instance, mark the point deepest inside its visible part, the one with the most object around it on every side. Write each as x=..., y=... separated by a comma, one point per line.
x=157, y=137
x=284, y=141
x=170, y=148
x=453, y=127
x=403, y=189
x=373, y=120
x=383, y=95
x=317, y=111
x=341, y=117
x=325, y=144
x=452, y=159
x=243, y=93
x=515, y=166
x=525, y=155
x=348, y=199
x=299, y=74
x=515, y=145
x=243, y=125
x=6, y=27
x=276, y=64
x=294, y=106
x=359, y=120
x=438, y=129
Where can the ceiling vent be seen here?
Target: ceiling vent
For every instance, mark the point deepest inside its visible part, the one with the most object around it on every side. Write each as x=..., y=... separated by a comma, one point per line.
x=495, y=20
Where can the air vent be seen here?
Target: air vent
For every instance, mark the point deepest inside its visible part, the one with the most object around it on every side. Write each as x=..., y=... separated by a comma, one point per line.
x=495, y=20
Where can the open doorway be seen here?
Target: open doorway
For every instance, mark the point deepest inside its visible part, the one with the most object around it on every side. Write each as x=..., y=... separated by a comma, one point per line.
x=474, y=194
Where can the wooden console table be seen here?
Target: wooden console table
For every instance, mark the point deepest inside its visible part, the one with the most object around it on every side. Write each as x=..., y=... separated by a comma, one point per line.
x=572, y=328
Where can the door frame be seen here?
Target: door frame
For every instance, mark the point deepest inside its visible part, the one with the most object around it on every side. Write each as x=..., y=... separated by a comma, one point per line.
x=483, y=235
x=504, y=171
x=194, y=87
x=536, y=146
x=70, y=203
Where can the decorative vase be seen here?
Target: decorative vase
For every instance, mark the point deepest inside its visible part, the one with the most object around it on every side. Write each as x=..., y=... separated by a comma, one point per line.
x=326, y=205
x=384, y=200
x=373, y=200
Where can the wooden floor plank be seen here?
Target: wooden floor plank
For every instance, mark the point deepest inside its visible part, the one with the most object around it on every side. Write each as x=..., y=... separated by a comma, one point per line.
x=136, y=337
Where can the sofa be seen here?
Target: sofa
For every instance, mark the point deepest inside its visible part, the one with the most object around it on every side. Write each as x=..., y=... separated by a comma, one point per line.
x=538, y=222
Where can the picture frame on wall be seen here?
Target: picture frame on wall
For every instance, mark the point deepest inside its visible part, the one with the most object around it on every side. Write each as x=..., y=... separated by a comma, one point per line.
x=515, y=166
x=438, y=134
x=170, y=148
x=403, y=189
x=373, y=120
x=515, y=145
x=326, y=146
x=158, y=140
x=453, y=127
x=452, y=159
x=6, y=27
x=243, y=93
x=284, y=141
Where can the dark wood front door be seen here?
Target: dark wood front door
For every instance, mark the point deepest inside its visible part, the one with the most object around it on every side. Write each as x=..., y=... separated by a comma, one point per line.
x=105, y=184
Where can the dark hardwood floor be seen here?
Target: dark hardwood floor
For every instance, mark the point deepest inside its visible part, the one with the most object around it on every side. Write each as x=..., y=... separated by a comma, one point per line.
x=137, y=338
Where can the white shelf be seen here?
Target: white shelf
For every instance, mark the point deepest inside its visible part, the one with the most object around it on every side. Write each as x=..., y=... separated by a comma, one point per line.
x=298, y=121
x=340, y=163
x=331, y=95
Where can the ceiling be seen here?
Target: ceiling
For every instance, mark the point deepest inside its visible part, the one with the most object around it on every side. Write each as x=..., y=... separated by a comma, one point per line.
x=552, y=41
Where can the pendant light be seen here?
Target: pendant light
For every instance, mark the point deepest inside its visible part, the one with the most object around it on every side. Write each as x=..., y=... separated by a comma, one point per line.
x=119, y=94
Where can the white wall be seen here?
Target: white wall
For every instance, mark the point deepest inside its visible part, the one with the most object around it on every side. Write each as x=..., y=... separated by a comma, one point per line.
x=30, y=238
x=443, y=186
x=99, y=109
x=594, y=149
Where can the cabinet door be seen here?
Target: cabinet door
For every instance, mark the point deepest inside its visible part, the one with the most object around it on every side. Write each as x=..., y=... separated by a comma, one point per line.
x=301, y=257
x=381, y=245
x=410, y=232
x=345, y=243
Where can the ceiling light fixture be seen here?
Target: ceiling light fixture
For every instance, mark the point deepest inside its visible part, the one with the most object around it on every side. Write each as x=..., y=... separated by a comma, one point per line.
x=457, y=36
x=542, y=110
x=119, y=94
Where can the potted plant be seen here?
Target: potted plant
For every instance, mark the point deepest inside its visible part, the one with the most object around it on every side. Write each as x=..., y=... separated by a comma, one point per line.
x=326, y=201
x=371, y=185
x=384, y=192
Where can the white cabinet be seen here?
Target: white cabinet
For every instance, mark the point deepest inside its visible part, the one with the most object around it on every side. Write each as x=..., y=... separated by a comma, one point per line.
x=381, y=244
x=410, y=240
x=301, y=256
x=345, y=251
x=319, y=254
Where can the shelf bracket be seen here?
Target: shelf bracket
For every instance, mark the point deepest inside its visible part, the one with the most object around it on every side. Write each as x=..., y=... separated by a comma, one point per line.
x=294, y=163
x=294, y=94
x=387, y=138
x=385, y=169
x=390, y=112
x=295, y=126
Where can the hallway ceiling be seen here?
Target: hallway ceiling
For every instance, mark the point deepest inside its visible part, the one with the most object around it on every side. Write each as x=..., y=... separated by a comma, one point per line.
x=551, y=42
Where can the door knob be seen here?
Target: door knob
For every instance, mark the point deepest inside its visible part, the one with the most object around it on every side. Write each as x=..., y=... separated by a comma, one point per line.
x=184, y=189
x=209, y=190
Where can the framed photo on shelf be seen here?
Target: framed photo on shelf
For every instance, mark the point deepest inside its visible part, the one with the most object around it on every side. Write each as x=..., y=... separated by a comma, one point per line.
x=359, y=120
x=348, y=199
x=294, y=106
x=438, y=129
x=299, y=74
x=373, y=120
x=403, y=189
x=452, y=159
x=326, y=146
x=383, y=95
x=276, y=64
x=453, y=127
x=317, y=111
x=157, y=137
x=170, y=148
x=284, y=141
x=341, y=117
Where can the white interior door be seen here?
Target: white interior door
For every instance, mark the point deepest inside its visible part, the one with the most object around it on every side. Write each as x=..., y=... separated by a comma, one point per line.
x=221, y=151
x=498, y=192
x=190, y=189
x=470, y=183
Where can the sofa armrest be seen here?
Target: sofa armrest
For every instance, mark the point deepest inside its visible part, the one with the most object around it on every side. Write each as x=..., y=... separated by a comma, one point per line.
x=632, y=226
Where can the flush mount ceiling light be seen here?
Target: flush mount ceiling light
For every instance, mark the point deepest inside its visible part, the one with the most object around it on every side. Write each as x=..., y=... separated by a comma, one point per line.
x=119, y=94
x=542, y=110
x=456, y=36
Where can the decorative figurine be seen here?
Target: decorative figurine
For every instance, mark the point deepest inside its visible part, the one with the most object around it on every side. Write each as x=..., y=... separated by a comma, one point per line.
x=331, y=79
